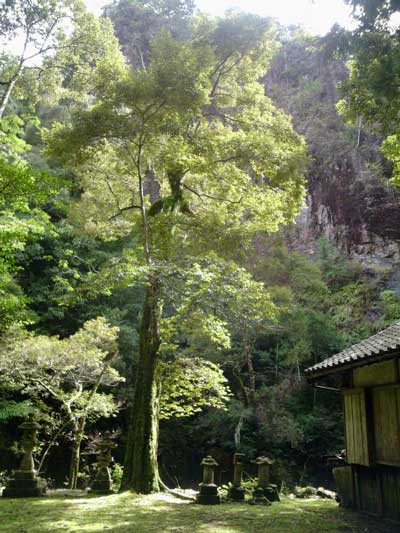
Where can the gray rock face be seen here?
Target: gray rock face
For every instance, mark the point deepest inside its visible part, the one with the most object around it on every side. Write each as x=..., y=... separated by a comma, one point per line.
x=378, y=255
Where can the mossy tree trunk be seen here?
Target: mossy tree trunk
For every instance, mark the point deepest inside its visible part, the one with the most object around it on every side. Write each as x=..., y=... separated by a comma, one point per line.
x=75, y=461
x=141, y=467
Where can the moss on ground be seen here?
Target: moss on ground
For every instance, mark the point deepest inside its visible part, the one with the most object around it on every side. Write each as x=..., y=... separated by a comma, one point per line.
x=161, y=513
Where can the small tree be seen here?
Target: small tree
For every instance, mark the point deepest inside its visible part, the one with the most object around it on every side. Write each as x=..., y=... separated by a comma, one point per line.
x=69, y=372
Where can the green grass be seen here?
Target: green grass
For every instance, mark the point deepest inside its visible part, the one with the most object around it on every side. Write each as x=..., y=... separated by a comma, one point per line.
x=123, y=513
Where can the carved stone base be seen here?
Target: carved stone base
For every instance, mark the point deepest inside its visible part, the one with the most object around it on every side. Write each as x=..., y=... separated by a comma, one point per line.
x=102, y=483
x=272, y=493
x=25, y=484
x=236, y=494
x=259, y=498
x=208, y=495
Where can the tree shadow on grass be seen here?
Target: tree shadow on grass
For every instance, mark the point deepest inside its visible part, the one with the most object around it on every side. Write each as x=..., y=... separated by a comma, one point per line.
x=162, y=513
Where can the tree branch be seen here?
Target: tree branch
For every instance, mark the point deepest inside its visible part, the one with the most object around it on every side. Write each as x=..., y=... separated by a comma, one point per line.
x=122, y=209
x=205, y=195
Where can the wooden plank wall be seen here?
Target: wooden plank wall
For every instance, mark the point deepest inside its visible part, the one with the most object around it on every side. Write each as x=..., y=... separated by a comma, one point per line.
x=384, y=373
x=386, y=413
x=368, y=492
x=372, y=416
x=357, y=443
x=377, y=491
x=391, y=493
x=344, y=481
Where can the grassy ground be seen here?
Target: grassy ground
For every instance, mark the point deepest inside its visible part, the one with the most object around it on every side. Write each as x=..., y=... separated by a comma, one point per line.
x=161, y=513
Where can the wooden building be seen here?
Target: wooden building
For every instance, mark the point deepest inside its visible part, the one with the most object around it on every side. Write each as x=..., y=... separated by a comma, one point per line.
x=368, y=373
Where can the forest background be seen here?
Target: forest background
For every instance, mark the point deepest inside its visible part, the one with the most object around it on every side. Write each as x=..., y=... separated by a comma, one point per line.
x=240, y=322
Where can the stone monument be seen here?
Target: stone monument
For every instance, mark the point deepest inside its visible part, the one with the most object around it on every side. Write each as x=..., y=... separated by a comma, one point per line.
x=25, y=483
x=237, y=492
x=208, y=489
x=265, y=492
x=102, y=483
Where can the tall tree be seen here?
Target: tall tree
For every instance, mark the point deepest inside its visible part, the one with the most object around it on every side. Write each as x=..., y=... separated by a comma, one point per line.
x=189, y=154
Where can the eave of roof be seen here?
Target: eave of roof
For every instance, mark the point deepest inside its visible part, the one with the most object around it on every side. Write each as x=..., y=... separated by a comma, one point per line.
x=380, y=346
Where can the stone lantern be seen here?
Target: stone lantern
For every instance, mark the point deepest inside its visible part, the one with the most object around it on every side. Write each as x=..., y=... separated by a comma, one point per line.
x=264, y=466
x=208, y=489
x=25, y=482
x=102, y=483
x=237, y=492
x=265, y=492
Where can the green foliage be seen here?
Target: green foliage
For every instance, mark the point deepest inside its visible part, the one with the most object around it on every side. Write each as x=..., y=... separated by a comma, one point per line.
x=64, y=375
x=22, y=186
x=56, y=46
x=337, y=269
x=116, y=475
x=187, y=156
x=371, y=90
x=11, y=409
x=23, y=191
x=211, y=304
x=391, y=150
x=12, y=127
x=190, y=385
x=13, y=304
x=390, y=301
x=203, y=156
x=373, y=13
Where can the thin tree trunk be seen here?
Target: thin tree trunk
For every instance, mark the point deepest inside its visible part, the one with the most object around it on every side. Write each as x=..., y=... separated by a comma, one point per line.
x=79, y=432
x=304, y=471
x=50, y=445
x=238, y=430
x=359, y=131
x=6, y=96
x=252, y=374
x=13, y=80
x=75, y=458
x=298, y=371
x=141, y=467
x=243, y=392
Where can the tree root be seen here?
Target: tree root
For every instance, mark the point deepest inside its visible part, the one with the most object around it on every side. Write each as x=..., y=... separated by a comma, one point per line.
x=176, y=493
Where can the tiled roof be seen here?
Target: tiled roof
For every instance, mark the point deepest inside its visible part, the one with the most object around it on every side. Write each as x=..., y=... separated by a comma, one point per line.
x=382, y=343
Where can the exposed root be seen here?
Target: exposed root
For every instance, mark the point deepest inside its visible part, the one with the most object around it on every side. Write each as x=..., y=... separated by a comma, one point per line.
x=176, y=493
